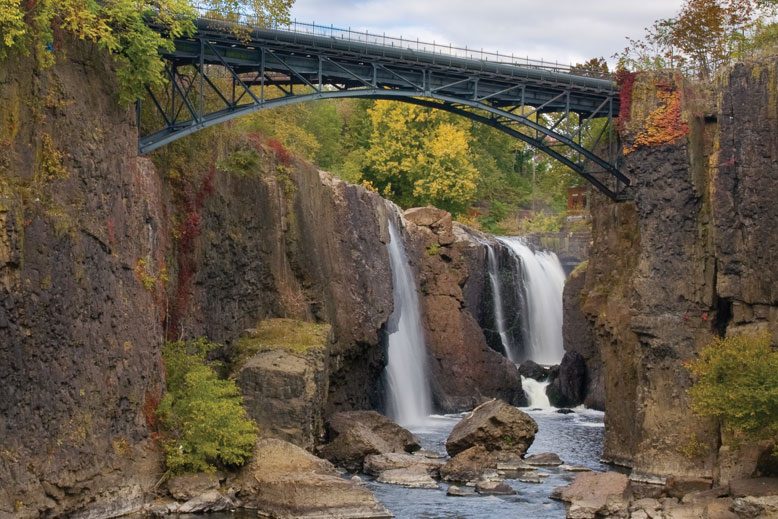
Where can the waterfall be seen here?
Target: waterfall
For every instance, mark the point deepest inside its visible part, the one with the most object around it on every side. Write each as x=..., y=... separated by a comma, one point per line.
x=536, y=393
x=543, y=279
x=408, y=389
x=499, y=314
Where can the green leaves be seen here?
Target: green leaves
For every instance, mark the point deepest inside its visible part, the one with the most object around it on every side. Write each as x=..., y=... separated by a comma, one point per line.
x=206, y=426
x=737, y=382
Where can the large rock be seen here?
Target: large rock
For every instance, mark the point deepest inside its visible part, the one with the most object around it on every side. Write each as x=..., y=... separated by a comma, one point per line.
x=531, y=369
x=355, y=435
x=412, y=477
x=493, y=425
x=754, y=487
x=450, y=261
x=284, y=384
x=593, y=490
x=567, y=384
x=283, y=480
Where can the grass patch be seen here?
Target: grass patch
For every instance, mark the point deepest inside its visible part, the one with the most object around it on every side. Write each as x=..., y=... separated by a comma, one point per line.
x=285, y=334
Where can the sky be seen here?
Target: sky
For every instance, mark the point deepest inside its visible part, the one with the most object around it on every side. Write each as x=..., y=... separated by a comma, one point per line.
x=567, y=31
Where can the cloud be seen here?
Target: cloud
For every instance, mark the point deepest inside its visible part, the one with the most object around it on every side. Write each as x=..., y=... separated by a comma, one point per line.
x=567, y=31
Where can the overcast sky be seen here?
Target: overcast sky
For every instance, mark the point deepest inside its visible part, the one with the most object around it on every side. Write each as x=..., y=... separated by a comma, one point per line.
x=568, y=31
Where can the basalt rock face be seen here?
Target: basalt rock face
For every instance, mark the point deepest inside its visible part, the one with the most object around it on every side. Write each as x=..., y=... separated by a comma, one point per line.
x=693, y=256
x=82, y=226
x=450, y=260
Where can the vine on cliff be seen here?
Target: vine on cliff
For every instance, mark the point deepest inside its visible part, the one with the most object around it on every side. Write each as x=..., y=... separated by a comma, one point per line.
x=626, y=81
x=665, y=123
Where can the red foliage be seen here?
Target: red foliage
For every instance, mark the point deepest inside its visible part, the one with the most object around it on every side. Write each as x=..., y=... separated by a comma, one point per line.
x=283, y=155
x=189, y=230
x=150, y=404
x=626, y=81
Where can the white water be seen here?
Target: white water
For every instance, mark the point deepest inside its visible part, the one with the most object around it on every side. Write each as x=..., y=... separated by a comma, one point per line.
x=536, y=393
x=499, y=315
x=408, y=391
x=544, y=281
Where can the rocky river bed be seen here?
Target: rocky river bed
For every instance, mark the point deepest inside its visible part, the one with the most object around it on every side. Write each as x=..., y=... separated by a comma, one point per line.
x=576, y=437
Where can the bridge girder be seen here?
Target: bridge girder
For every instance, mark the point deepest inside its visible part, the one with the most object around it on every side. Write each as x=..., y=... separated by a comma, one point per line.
x=218, y=76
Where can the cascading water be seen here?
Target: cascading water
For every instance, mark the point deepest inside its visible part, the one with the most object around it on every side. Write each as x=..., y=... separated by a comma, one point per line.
x=499, y=314
x=536, y=393
x=544, y=280
x=408, y=394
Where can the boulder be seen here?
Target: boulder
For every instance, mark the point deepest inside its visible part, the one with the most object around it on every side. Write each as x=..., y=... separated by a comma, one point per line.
x=567, y=385
x=495, y=426
x=284, y=480
x=531, y=369
x=592, y=490
x=415, y=476
x=543, y=459
x=188, y=486
x=283, y=378
x=764, y=507
x=375, y=464
x=468, y=465
x=354, y=435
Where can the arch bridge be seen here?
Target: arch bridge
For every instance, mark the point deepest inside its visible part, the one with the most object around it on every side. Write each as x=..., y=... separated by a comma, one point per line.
x=226, y=70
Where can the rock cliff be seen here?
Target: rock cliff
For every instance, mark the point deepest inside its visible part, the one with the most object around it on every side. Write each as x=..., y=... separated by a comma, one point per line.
x=693, y=256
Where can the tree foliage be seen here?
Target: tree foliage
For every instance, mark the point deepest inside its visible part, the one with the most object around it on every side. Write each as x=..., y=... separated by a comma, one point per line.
x=737, y=382
x=122, y=27
x=206, y=426
x=702, y=35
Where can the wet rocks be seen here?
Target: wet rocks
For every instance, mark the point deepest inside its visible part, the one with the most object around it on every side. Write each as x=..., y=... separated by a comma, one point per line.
x=531, y=369
x=494, y=488
x=355, y=435
x=544, y=459
x=568, y=383
x=494, y=426
x=457, y=491
x=283, y=480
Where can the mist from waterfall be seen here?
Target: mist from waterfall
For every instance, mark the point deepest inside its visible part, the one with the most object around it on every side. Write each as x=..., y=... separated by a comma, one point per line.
x=408, y=392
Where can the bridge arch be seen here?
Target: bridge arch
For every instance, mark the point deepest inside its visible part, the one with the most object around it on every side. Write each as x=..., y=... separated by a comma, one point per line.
x=505, y=97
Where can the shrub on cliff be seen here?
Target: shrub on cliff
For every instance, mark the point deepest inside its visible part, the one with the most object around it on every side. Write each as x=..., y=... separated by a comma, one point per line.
x=205, y=424
x=737, y=382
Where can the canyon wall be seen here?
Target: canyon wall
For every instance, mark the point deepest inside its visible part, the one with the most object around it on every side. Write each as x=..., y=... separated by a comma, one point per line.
x=104, y=255
x=692, y=257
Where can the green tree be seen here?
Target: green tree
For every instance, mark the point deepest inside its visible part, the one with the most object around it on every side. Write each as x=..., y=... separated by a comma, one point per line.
x=420, y=156
x=206, y=426
x=737, y=382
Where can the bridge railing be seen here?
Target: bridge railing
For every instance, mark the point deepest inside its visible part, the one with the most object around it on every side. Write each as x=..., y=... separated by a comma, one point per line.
x=365, y=37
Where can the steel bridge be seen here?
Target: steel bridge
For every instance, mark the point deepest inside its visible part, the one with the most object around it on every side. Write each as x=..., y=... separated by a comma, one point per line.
x=226, y=70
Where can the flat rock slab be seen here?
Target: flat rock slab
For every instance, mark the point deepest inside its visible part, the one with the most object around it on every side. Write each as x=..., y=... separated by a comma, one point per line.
x=284, y=480
x=544, y=459
x=457, y=491
x=412, y=477
x=375, y=464
x=496, y=426
x=188, y=486
x=575, y=468
x=494, y=488
x=754, y=487
x=593, y=489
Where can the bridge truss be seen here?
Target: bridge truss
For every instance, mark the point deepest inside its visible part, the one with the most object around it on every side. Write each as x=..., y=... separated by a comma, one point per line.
x=225, y=71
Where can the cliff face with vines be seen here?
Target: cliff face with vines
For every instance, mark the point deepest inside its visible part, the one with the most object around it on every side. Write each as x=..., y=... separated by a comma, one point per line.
x=694, y=256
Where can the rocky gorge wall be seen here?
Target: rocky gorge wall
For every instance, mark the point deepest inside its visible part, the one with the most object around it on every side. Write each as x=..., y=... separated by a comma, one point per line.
x=104, y=255
x=693, y=257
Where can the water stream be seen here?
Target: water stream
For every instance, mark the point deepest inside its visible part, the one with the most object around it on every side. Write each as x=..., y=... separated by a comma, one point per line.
x=408, y=392
x=499, y=313
x=544, y=281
